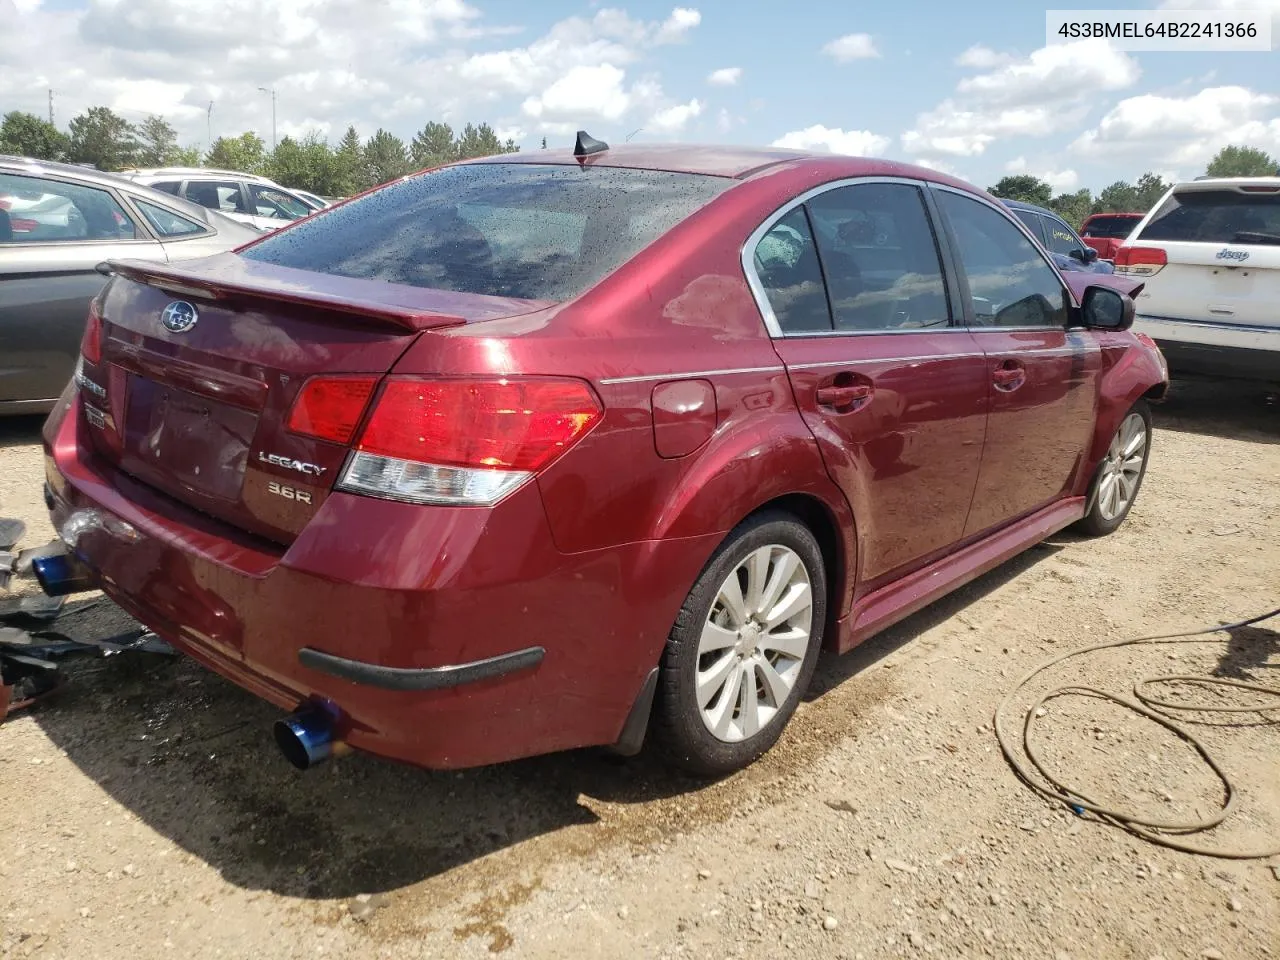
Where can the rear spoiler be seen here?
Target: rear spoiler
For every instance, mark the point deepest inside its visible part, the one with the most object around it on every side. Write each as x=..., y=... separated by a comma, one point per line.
x=229, y=277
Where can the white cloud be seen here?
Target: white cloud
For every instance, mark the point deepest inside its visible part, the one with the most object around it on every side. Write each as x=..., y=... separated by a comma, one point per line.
x=583, y=93
x=982, y=58
x=673, y=119
x=1184, y=131
x=724, y=120
x=852, y=46
x=859, y=143
x=1050, y=91
x=1062, y=181
x=725, y=76
x=1016, y=165
x=678, y=25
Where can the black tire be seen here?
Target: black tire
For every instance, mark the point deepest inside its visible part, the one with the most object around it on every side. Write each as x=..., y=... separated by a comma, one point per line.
x=683, y=737
x=1095, y=523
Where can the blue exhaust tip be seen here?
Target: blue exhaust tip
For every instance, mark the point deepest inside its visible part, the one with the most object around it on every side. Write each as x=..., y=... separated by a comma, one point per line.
x=305, y=737
x=61, y=574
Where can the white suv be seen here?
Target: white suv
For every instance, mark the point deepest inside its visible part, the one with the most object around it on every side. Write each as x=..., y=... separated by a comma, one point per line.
x=242, y=196
x=1209, y=254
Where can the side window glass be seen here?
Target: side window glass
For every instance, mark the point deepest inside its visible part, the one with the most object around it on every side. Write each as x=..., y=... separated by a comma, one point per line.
x=216, y=195
x=1033, y=223
x=1061, y=237
x=36, y=210
x=269, y=202
x=168, y=186
x=880, y=258
x=1009, y=280
x=786, y=261
x=166, y=223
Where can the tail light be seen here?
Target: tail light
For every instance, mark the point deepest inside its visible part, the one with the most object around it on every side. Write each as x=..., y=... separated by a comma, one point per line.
x=91, y=342
x=466, y=441
x=1141, y=261
x=23, y=225
x=329, y=408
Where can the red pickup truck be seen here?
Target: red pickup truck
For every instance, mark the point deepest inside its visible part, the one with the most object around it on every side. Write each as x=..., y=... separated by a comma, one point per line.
x=1105, y=232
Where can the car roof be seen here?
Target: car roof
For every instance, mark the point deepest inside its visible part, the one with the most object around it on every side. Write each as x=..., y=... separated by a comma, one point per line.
x=738, y=162
x=1023, y=205
x=1114, y=213
x=191, y=172
x=1218, y=183
x=88, y=174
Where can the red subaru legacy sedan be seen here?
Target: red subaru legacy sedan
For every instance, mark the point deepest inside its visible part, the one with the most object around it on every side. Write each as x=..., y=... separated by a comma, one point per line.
x=559, y=449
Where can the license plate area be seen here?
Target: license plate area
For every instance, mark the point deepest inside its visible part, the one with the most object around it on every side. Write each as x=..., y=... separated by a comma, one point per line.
x=179, y=438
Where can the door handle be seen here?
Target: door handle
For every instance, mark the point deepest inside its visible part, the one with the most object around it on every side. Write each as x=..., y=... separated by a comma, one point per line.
x=1009, y=376
x=843, y=395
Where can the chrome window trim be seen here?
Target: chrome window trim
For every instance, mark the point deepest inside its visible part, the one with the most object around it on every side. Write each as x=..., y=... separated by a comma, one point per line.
x=761, y=297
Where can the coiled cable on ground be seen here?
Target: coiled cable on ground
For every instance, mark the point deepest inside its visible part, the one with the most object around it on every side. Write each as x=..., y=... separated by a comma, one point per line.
x=1026, y=761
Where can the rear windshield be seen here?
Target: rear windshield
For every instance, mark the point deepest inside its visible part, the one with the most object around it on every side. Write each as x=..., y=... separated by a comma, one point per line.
x=533, y=231
x=1217, y=216
x=1110, y=228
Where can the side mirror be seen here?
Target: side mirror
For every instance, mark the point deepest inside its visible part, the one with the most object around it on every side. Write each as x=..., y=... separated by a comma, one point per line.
x=1090, y=255
x=1106, y=309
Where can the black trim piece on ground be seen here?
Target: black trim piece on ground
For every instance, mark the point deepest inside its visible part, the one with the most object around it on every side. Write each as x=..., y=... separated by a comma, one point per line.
x=420, y=678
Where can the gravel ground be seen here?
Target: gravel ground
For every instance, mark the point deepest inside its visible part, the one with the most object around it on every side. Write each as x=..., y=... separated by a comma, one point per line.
x=145, y=813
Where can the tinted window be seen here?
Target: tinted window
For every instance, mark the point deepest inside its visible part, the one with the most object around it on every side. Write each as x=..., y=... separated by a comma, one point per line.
x=879, y=257
x=468, y=228
x=1109, y=228
x=223, y=196
x=36, y=210
x=270, y=202
x=166, y=223
x=1217, y=216
x=1061, y=237
x=786, y=260
x=1032, y=222
x=168, y=186
x=1009, y=280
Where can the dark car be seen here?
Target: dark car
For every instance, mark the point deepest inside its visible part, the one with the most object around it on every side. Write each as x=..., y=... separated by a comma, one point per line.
x=1069, y=252
x=57, y=223
x=1105, y=232
x=553, y=449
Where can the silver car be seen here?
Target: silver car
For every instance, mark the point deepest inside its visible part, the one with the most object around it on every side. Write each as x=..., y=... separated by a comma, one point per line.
x=57, y=224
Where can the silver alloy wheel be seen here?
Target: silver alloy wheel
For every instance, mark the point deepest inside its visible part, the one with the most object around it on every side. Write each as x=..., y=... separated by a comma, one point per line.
x=1122, y=468
x=754, y=642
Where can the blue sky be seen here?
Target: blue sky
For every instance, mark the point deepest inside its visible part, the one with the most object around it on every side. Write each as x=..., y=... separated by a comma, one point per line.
x=977, y=94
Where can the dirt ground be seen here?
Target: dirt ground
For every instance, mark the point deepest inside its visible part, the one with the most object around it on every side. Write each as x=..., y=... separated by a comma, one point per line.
x=145, y=812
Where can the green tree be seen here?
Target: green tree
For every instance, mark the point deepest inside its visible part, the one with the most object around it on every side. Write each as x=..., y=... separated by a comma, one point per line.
x=1073, y=207
x=349, y=173
x=1119, y=197
x=157, y=143
x=186, y=157
x=1151, y=187
x=481, y=141
x=245, y=153
x=307, y=164
x=385, y=157
x=433, y=145
x=104, y=139
x=1233, y=161
x=26, y=135
x=1023, y=187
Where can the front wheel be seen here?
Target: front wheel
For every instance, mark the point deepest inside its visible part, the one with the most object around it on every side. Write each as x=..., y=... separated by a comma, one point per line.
x=743, y=647
x=1119, y=477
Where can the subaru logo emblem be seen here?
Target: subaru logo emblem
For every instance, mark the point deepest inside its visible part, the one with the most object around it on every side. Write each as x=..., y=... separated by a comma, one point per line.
x=179, y=317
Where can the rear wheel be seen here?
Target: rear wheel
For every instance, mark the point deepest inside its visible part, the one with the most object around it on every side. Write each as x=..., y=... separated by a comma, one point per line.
x=743, y=647
x=1119, y=477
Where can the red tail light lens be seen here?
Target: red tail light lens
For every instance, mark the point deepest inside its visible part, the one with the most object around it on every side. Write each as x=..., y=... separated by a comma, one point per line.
x=22, y=225
x=1141, y=261
x=91, y=342
x=505, y=424
x=329, y=408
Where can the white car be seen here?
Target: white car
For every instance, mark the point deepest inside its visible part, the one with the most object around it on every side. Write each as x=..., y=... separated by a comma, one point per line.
x=242, y=196
x=1209, y=254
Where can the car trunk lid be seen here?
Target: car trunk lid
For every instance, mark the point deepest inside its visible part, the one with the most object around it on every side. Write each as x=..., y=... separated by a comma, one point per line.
x=201, y=413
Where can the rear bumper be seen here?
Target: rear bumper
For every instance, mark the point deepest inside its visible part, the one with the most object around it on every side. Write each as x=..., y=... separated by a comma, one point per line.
x=447, y=637
x=1215, y=349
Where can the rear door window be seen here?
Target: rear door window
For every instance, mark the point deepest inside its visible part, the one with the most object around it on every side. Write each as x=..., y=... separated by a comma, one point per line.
x=1217, y=216
x=879, y=257
x=1061, y=238
x=39, y=210
x=531, y=231
x=221, y=195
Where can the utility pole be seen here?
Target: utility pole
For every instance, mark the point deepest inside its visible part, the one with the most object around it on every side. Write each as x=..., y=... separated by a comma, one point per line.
x=209, y=127
x=51, y=106
x=272, y=91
